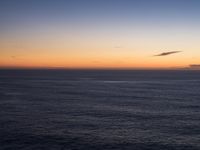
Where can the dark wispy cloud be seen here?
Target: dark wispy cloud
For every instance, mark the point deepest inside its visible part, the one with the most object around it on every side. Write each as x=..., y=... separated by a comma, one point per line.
x=96, y=61
x=118, y=47
x=16, y=58
x=167, y=53
x=195, y=66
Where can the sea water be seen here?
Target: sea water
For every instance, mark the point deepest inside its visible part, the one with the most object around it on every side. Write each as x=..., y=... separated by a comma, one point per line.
x=99, y=109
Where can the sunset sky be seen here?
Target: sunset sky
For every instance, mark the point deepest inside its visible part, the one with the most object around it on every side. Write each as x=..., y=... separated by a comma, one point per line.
x=99, y=33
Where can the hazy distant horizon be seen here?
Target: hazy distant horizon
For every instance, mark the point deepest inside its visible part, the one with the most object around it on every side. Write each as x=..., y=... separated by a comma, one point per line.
x=100, y=68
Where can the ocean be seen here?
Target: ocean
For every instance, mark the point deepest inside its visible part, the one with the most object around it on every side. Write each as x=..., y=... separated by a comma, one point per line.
x=99, y=109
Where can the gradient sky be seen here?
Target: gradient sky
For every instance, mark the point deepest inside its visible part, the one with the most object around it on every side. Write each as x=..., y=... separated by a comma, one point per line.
x=99, y=33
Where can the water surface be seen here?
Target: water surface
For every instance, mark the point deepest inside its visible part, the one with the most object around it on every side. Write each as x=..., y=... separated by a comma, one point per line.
x=99, y=109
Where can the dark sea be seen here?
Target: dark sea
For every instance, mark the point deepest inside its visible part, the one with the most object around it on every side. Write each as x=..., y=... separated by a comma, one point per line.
x=99, y=110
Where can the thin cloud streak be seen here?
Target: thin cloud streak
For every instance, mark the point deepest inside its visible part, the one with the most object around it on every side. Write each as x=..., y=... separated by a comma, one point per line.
x=168, y=53
x=195, y=66
x=118, y=47
x=15, y=58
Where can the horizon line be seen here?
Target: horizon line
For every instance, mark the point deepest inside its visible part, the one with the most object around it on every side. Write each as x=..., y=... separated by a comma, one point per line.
x=97, y=68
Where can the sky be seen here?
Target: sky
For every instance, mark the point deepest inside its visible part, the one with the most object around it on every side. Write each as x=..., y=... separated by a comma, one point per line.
x=99, y=33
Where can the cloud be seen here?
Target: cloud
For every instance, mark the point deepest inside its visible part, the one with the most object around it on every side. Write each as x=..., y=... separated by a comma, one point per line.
x=167, y=53
x=118, y=47
x=15, y=58
x=195, y=66
x=95, y=61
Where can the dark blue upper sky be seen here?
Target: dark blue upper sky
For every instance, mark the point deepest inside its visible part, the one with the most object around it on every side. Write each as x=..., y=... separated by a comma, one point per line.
x=167, y=11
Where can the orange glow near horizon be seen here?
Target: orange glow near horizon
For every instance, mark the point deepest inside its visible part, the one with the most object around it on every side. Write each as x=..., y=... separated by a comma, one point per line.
x=80, y=60
x=92, y=53
x=87, y=51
